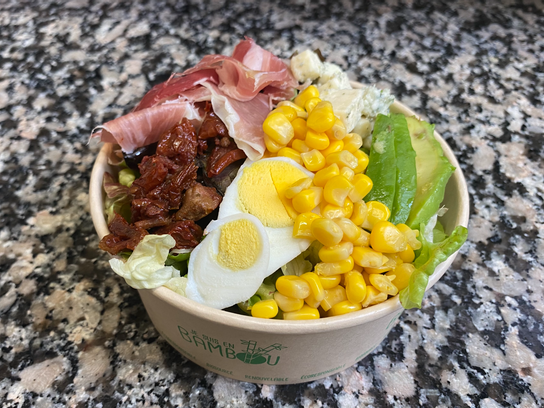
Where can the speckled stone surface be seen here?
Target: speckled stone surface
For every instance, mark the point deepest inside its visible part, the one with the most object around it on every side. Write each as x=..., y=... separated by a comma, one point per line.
x=72, y=333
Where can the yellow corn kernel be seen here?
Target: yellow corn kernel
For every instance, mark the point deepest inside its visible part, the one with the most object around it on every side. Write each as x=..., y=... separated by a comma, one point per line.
x=350, y=230
x=289, y=112
x=407, y=255
x=335, y=146
x=362, y=184
x=308, y=199
x=411, y=236
x=342, y=308
x=271, y=145
x=395, y=258
x=383, y=283
x=343, y=158
x=367, y=257
x=373, y=296
x=349, y=174
x=311, y=104
x=301, y=113
x=278, y=127
x=324, y=175
x=313, y=160
x=326, y=231
x=338, y=130
x=360, y=212
x=366, y=275
x=265, y=309
x=387, y=238
x=299, y=128
x=293, y=286
x=334, y=268
x=316, y=287
x=388, y=265
x=330, y=281
x=310, y=92
x=376, y=212
x=316, y=140
x=358, y=268
x=305, y=313
x=336, y=190
x=297, y=187
x=355, y=286
x=362, y=161
x=291, y=154
x=321, y=118
x=336, y=253
x=286, y=303
x=348, y=208
x=352, y=142
x=402, y=275
x=312, y=301
x=333, y=296
x=303, y=225
x=300, y=146
x=364, y=238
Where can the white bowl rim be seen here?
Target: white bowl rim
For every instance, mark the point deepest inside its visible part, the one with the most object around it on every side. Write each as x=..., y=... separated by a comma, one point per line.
x=249, y=323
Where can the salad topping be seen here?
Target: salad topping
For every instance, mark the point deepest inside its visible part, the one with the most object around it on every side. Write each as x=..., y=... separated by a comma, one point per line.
x=334, y=210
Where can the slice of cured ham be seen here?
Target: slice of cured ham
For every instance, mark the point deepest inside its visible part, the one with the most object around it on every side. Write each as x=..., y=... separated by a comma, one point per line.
x=144, y=127
x=241, y=88
x=243, y=120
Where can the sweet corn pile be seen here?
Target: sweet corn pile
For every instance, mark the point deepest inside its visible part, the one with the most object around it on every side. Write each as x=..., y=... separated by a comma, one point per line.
x=364, y=258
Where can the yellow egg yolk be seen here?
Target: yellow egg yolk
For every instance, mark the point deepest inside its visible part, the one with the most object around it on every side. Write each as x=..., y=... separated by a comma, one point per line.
x=239, y=245
x=261, y=189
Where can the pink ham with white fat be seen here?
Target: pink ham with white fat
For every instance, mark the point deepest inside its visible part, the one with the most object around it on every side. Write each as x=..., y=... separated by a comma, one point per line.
x=241, y=89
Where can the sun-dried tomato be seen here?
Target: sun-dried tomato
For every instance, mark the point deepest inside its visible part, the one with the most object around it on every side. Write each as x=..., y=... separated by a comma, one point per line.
x=221, y=157
x=172, y=189
x=186, y=233
x=122, y=236
x=212, y=126
x=146, y=208
x=153, y=172
x=179, y=143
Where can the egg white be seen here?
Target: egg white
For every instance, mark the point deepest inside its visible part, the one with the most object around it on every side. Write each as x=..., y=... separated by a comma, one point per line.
x=212, y=284
x=283, y=246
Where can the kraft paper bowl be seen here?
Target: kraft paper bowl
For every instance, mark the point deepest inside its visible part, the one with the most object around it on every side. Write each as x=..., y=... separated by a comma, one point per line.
x=276, y=351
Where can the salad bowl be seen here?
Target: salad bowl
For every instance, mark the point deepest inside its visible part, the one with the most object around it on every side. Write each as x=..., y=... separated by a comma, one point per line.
x=277, y=351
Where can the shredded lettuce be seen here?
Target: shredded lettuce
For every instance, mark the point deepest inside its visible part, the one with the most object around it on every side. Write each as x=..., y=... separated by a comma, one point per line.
x=145, y=268
x=430, y=256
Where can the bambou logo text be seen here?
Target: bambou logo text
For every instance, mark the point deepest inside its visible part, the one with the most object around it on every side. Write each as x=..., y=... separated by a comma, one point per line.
x=249, y=353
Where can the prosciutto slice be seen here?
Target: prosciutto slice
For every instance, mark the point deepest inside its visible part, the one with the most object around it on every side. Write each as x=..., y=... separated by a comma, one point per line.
x=144, y=127
x=241, y=89
x=176, y=85
x=243, y=120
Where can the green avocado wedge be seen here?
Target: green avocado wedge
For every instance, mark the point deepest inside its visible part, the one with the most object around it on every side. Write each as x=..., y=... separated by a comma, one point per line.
x=433, y=172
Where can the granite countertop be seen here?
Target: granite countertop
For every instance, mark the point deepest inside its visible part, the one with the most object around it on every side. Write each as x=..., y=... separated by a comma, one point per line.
x=72, y=333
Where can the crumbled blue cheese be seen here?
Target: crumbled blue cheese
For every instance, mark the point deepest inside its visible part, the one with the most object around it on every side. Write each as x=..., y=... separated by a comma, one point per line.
x=332, y=77
x=306, y=66
x=347, y=105
x=363, y=127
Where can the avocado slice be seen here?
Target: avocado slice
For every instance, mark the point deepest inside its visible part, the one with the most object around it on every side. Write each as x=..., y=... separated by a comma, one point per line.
x=433, y=172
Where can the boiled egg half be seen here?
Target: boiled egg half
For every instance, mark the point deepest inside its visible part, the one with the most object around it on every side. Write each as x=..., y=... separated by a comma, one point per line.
x=230, y=264
x=252, y=237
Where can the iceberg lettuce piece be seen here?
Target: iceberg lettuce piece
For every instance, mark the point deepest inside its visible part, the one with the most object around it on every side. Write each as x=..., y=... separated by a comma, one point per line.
x=177, y=285
x=145, y=268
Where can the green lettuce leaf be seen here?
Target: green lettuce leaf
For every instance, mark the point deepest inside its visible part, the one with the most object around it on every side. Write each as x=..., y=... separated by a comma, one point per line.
x=431, y=255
